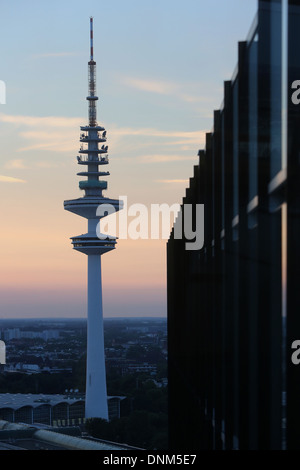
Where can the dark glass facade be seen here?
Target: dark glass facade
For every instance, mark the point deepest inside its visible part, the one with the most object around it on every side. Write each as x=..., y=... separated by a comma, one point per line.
x=233, y=306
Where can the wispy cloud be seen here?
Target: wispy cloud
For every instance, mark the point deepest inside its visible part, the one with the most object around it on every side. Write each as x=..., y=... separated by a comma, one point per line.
x=164, y=158
x=169, y=88
x=48, y=165
x=136, y=141
x=17, y=164
x=152, y=86
x=174, y=181
x=53, y=54
x=55, y=133
x=194, y=137
x=41, y=121
x=52, y=142
x=59, y=134
x=10, y=179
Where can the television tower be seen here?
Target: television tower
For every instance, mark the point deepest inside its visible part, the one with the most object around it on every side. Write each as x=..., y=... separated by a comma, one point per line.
x=92, y=206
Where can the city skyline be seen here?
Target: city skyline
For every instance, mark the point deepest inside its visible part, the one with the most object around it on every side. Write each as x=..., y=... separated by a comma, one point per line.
x=156, y=112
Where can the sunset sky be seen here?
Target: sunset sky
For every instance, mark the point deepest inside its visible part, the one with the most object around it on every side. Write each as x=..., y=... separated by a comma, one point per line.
x=161, y=65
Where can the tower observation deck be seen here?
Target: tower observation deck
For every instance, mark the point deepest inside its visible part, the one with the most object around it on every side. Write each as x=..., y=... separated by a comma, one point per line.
x=93, y=156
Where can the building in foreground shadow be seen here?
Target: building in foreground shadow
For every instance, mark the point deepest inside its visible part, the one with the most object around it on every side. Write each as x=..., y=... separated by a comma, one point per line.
x=234, y=306
x=20, y=436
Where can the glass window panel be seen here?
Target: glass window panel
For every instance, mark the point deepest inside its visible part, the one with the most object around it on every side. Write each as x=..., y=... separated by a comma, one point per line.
x=276, y=87
x=253, y=118
x=235, y=150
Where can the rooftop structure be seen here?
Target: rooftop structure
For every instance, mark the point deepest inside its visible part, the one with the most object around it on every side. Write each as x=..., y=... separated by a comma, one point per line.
x=19, y=436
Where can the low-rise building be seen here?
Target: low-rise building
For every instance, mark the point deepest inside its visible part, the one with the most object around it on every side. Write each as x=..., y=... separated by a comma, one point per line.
x=50, y=409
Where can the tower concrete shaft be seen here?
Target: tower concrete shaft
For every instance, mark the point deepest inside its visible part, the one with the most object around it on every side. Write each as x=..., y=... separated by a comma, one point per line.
x=96, y=395
x=92, y=244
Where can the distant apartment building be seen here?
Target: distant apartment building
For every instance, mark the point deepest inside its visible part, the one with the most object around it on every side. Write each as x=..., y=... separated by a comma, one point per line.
x=35, y=368
x=234, y=305
x=11, y=333
x=16, y=333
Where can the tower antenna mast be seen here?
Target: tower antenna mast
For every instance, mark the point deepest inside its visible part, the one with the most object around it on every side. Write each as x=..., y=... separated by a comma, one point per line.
x=92, y=98
x=91, y=38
